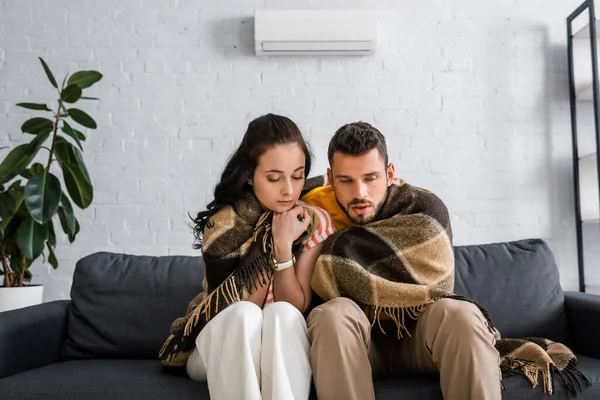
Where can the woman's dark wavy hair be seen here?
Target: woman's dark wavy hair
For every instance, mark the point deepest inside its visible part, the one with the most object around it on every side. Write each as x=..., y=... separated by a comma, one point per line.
x=263, y=133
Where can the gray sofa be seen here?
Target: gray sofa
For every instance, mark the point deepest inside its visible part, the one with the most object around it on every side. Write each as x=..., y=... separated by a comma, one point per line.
x=102, y=344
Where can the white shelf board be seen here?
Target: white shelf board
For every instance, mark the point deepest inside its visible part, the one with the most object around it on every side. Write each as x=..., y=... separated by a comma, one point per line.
x=588, y=188
x=582, y=63
x=584, y=32
x=585, y=93
x=593, y=288
x=591, y=221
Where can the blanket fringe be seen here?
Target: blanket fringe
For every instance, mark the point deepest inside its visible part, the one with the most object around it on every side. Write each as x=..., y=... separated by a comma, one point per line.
x=397, y=315
x=249, y=267
x=572, y=378
x=483, y=311
x=513, y=366
x=231, y=290
x=532, y=373
x=228, y=290
x=167, y=347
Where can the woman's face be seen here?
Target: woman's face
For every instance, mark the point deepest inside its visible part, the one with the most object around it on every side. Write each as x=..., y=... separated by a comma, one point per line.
x=279, y=177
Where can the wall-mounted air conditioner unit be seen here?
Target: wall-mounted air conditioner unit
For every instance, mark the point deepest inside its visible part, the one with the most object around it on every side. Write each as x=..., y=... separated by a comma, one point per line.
x=315, y=32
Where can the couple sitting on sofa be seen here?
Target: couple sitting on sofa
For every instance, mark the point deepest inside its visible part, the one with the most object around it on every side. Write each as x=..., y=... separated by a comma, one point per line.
x=378, y=254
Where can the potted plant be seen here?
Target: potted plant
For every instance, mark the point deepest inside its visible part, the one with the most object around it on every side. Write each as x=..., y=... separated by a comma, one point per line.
x=32, y=196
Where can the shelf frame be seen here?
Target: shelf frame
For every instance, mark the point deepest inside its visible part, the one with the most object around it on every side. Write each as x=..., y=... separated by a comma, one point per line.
x=586, y=5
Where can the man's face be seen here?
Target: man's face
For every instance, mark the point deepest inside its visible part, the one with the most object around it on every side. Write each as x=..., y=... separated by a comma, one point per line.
x=360, y=184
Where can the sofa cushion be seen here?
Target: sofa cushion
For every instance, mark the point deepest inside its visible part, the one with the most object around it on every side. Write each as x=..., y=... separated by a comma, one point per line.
x=122, y=305
x=101, y=379
x=144, y=379
x=518, y=283
x=516, y=387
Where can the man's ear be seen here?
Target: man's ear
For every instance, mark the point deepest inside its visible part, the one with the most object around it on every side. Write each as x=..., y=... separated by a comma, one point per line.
x=329, y=176
x=391, y=173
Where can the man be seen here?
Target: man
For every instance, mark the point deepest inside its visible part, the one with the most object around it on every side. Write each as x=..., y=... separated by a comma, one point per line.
x=427, y=330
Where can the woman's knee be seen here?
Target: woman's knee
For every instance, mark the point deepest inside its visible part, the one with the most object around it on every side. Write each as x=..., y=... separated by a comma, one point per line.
x=242, y=319
x=239, y=314
x=283, y=312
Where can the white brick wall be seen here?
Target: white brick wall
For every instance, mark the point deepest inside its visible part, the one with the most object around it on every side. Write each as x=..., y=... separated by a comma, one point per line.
x=472, y=97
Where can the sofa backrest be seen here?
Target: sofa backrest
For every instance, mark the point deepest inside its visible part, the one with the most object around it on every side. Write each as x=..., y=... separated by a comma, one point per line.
x=122, y=305
x=518, y=283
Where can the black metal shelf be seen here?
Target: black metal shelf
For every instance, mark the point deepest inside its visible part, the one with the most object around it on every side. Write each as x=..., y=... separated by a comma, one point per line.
x=589, y=32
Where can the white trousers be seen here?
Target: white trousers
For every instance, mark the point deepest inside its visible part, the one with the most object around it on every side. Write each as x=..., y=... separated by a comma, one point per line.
x=247, y=353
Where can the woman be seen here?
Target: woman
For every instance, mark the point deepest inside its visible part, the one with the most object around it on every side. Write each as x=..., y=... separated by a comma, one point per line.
x=245, y=334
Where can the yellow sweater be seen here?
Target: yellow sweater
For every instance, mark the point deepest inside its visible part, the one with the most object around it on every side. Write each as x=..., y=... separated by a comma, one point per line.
x=324, y=197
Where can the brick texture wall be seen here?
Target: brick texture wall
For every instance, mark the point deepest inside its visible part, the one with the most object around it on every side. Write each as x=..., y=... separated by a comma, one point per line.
x=472, y=97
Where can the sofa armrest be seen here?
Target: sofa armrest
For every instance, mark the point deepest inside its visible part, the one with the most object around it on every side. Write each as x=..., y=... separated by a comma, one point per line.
x=32, y=337
x=583, y=315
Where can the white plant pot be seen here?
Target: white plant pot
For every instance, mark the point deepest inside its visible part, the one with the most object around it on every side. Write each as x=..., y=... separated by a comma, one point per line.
x=12, y=298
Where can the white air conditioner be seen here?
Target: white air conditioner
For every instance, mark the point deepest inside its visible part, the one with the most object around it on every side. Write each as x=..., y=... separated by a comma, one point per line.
x=315, y=32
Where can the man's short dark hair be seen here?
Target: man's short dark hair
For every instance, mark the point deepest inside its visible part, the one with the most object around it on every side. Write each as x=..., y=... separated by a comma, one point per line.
x=356, y=139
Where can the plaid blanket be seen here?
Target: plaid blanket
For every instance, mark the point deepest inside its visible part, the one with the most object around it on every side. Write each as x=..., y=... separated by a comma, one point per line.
x=397, y=266
x=237, y=251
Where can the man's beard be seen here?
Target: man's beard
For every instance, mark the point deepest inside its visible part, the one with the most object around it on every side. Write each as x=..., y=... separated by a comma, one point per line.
x=362, y=219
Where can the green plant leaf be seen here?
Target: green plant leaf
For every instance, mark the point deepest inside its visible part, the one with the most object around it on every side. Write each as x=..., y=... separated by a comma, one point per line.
x=15, y=185
x=17, y=193
x=37, y=142
x=71, y=94
x=7, y=205
x=51, y=233
x=42, y=196
x=75, y=173
x=52, y=257
x=31, y=237
x=71, y=234
x=1, y=234
x=15, y=162
x=34, y=106
x=72, y=237
x=62, y=217
x=48, y=73
x=69, y=214
x=71, y=132
x=80, y=135
x=16, y=264
x=84, y=79
x=37, y=168
x=79, y=188
x=89, y=98
x=37, y=125
x=66, y=152
x=82, y=118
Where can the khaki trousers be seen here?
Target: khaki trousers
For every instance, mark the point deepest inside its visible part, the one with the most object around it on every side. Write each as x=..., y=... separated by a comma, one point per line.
x=451, y=339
